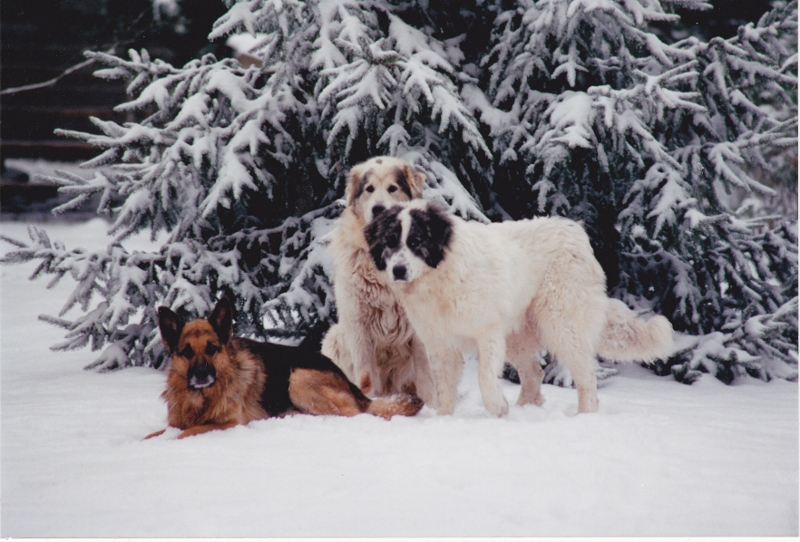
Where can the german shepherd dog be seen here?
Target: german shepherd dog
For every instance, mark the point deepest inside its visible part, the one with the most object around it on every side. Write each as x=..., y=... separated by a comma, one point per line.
x=217, y=381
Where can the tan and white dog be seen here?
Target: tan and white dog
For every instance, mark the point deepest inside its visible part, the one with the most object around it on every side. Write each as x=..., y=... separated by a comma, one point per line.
x=373, y=342
x=507, y=290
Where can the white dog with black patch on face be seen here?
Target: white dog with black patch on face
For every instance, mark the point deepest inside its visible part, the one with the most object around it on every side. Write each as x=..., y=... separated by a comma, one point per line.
x=507, y=290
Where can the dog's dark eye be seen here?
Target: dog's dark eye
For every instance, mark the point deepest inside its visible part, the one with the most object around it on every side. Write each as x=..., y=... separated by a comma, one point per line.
x=412, y=243
x=392, y=188
x=187, y=352
x=370, y=189
x=212, y=349
x=392, y=241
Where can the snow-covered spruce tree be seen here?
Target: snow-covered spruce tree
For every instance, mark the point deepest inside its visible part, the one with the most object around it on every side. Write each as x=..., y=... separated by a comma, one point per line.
x=583, y=108
x=241, y=167
x=641, y=139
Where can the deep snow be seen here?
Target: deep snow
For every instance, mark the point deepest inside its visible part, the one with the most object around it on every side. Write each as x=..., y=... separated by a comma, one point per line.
x=659, y=459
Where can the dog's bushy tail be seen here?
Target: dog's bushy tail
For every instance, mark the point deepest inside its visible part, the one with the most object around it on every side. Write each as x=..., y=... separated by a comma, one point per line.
x=400, y=404
x=627, y=338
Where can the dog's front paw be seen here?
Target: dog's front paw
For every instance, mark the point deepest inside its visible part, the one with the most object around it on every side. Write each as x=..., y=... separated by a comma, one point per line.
x=498, y=407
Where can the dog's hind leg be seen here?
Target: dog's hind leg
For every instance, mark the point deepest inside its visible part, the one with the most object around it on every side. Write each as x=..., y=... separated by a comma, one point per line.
x=571, y=315
x=531, y=376
x=577, y=357
x=353, y=352
x=574, y=350
x=522, y=352
x=585, y=380
x=365, y=372
x=334, y=346
x=324, y=393
x=491, y=355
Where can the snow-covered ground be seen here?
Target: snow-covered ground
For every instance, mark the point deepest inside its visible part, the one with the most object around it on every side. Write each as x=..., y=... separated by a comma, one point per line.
x=659, y=459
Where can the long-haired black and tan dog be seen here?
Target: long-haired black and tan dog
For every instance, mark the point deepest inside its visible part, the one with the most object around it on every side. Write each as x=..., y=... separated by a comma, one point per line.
x=217, y=381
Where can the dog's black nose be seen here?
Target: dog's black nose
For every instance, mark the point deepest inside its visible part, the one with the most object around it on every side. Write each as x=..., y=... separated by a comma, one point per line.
x=201, y=376
x=399, y=272
x=378, y=209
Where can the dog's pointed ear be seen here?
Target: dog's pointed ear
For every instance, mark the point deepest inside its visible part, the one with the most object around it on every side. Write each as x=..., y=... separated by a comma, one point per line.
x=221, y=319
x=171, y=326
x=416, y=181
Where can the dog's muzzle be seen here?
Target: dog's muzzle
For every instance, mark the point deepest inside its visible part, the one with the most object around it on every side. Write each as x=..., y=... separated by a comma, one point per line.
x=201, y=376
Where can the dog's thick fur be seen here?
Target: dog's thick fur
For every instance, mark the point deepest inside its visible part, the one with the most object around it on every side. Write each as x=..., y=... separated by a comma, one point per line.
x=217, y=381
x=373, y=342
x=507, y=290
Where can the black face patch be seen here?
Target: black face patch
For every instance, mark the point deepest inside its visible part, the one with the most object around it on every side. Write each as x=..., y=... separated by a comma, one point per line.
x=402, y=182
x=383, y=236
x=430, y=234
